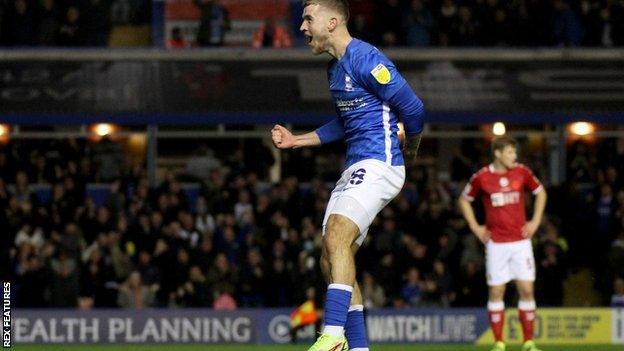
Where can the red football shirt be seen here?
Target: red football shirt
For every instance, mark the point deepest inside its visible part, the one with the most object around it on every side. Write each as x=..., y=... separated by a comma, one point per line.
x=503, y=199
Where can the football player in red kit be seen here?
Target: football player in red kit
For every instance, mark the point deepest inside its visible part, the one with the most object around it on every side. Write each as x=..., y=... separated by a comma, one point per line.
x=506, y=234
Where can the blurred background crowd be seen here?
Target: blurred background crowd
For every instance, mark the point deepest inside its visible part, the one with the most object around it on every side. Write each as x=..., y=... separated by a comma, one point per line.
x=263, y=23
x=217, y=233
x=490, y=22
x=67, y=23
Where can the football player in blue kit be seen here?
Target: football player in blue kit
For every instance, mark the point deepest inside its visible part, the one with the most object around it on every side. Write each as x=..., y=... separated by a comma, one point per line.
x=371, y=98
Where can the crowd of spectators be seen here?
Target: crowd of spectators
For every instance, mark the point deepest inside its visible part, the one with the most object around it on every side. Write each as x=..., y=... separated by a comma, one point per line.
x=462, y=23
x=149, y=246
x=71, y=23
x=594, y=203
x=524, y=23
x=411, y=23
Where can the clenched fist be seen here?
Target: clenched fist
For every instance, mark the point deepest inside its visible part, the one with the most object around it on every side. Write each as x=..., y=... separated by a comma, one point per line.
x=282, y=137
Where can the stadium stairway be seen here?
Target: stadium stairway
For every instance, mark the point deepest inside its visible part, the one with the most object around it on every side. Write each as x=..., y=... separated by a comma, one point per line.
x=245, y=15
x=130, y=36
x=578, y=289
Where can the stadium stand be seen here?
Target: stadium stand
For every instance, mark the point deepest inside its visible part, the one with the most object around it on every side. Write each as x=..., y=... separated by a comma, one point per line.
x=415, y=23
x=87, y=231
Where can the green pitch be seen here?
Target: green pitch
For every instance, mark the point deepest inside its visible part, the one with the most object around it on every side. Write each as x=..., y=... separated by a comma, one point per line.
x=294, y=348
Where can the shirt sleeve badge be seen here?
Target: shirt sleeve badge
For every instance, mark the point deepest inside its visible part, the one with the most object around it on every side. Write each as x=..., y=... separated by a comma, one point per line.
x=381, y=74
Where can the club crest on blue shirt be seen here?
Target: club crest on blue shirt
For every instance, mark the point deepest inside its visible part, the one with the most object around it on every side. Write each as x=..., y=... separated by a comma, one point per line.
x=348, y=83
x=381, y=74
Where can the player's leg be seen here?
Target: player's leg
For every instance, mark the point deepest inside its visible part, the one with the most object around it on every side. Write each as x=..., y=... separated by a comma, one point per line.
x=526, y=313
x=356, y=297
x=340, y=234
x=325, y=266
x=365, y=188
x=335, y=195
x=496, y=314
x=523, y=267
x=388, y=181
x=327, y=341
x=384, y=182
x=498, y=257
x=355, y=327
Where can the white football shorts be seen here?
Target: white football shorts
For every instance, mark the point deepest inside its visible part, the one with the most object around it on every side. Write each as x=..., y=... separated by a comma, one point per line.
x=363, y=190
x=509, y=261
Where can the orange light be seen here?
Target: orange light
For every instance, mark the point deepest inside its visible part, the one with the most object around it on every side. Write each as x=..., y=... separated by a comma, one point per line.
x=582, y=128
x=5, y=130
x=499, y=129
x=103, y=129
x=5, y=133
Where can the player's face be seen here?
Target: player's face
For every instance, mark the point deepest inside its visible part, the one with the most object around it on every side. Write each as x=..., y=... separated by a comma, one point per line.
x=507, y=156
x=315, y=28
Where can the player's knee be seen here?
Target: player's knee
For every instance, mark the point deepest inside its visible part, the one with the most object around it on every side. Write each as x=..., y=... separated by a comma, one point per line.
x=496, y=297
x=526, y=294
x=332, y=242
x=497, y=293
x=340, y=233
x=331, y=245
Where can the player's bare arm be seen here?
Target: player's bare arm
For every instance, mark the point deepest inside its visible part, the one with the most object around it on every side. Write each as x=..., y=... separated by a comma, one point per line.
x=531, y=226
x=284, y=139
x=410, y=149
x=482, y=233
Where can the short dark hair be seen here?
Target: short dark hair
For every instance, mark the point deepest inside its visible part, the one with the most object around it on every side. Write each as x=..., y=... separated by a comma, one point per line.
x=340, y=6
x=502, y=142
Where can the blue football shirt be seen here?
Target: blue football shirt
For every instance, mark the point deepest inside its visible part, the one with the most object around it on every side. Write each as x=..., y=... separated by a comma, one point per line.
x=362, y=83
